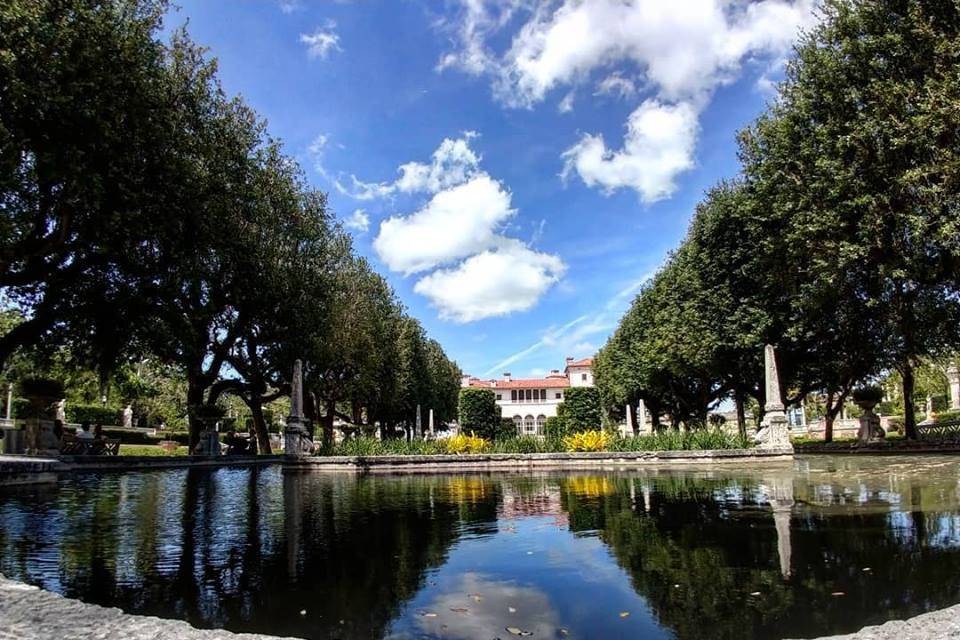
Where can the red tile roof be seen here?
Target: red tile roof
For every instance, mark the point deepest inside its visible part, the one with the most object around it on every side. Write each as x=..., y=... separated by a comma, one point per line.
x=586, y=362
x=530, y=383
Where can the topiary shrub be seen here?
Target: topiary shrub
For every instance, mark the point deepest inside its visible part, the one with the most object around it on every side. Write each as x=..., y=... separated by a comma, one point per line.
x=93, y=413
x=868, y=393
x=580, y=409
x=478, y=412
x=555, y=428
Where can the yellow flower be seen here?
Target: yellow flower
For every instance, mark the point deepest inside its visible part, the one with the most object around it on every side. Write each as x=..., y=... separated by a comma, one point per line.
x=587, y=441
x=463, y=443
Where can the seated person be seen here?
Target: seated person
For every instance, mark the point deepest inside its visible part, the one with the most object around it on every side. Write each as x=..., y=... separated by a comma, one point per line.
x=98, y=432
x=235, y=444
x=83, y=431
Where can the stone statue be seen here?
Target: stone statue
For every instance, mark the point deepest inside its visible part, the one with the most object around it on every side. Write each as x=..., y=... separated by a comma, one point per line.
x=774, y=432
x=296, y=435
x=60, y=410
x=128, y=417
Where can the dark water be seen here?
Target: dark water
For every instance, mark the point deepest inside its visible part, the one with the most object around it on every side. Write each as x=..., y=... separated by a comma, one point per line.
x=826, y=547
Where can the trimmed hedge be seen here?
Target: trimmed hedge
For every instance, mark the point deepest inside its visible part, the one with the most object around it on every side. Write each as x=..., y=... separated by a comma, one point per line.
x=580, y=409
x=479, y=413
x=93, y=413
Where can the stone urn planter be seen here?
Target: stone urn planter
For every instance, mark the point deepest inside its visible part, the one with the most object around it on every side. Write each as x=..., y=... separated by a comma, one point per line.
x=43, y=395
x=867, y=398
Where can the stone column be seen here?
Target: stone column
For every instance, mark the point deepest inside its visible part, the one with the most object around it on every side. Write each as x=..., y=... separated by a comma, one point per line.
x=774, y=430
x=642, y=415
x=296, y=437
x=9, y=409
x=430, y=423
x=953, y=376
x=629, y=430
x=419, y=428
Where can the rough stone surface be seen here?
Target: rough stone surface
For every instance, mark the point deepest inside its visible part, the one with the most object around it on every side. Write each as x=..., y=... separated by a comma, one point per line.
x=936, y=625
x=29, y=613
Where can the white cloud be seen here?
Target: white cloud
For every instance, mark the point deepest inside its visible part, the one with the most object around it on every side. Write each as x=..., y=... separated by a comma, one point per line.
x=673, y=54
x=658, y=146
x=496, y=282
x=316, y=151
x=455, y=223
x=289, y=6
x=616, y=84
x=322, y=41
x=451, y=164
x=358, y=221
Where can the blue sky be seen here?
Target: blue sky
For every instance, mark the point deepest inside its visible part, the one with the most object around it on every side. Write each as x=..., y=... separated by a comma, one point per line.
x=515, y=169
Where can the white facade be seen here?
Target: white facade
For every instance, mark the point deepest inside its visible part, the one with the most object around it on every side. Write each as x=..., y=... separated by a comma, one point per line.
x=529, y=402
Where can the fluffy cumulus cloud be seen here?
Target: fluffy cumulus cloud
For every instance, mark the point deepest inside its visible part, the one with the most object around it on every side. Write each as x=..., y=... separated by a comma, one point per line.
x=456, y=222
x=457, y=233
x=322, y=41
x=658, y=146
x=358, y=221
x=677, y=52
x=496, y=282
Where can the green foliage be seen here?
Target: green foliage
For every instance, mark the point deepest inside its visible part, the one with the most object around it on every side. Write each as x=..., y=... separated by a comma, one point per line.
x=479, y=413
x=869, y=393
x=672, y=440
x=555, y=428
x=93, y=414
x=41, y=388
x=580, y=409
x=150, y=450
x=948, y=416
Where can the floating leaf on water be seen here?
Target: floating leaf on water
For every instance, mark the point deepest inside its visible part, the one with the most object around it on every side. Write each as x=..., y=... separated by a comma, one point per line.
x=517, y=631
x=563, y=631
x=624, y=614
x=755, y=593
x=529, y=553
x=511, y=610
x=303, y=612
x=838, y=593
x=428, y=614
x=459, y=609
x=866, y=569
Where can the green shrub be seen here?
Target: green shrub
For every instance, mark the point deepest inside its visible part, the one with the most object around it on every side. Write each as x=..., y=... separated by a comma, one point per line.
x=672, y=440
x=868, y=393
x=21, y=408
x=527, y=444
x=580, y=409
x=555, y=428
x=93, y=413
x=947, y=416
x=478, y=412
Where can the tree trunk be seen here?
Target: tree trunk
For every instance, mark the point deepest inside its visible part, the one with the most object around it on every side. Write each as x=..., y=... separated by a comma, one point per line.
x=741, y=413
x=259, y=425
x=195, y=389
x=328, y=423
x=828, y=417
x=909, y=412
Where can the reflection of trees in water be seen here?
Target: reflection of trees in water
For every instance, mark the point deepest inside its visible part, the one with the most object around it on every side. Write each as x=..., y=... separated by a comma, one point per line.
x=217, y=549
x=696, y=548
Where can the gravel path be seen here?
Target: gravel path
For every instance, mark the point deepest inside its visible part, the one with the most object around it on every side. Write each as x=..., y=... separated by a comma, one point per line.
x=29, y=613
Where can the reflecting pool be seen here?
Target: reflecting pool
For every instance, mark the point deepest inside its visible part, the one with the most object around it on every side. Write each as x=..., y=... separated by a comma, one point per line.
x=826, y=546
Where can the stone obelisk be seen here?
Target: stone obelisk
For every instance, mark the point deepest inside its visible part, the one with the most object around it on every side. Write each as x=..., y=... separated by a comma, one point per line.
x=774, y=432
x=296, y=436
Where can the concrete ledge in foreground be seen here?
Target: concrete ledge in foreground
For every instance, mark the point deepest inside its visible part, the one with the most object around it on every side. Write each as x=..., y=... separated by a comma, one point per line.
x=493, y=461
x=17, y=470
x=145, y=463
x=936, y=625
x=29, y=613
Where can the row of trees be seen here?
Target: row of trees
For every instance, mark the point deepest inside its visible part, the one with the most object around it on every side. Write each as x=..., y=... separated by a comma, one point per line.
x=839, y=243
x=145, y=213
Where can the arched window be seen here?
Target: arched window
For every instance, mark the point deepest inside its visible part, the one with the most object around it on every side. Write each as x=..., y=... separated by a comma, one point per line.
x=529, y=425
x=541, y=424
x=518, y=423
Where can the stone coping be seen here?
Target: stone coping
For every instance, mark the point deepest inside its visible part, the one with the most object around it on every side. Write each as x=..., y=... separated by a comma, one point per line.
x=484, y=461
x=29, y=613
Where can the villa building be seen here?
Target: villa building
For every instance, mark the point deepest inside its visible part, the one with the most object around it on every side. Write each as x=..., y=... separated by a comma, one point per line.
x=530, y=401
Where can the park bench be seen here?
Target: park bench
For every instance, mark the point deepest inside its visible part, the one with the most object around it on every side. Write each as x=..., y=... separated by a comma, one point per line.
x=74, y=446
x=945, y=431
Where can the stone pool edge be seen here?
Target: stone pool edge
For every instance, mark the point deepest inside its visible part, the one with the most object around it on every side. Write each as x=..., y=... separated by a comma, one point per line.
x=525, y=461
x=31, y=613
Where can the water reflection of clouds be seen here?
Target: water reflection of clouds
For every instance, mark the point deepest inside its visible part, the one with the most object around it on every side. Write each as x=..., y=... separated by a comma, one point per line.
x=480, y=608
